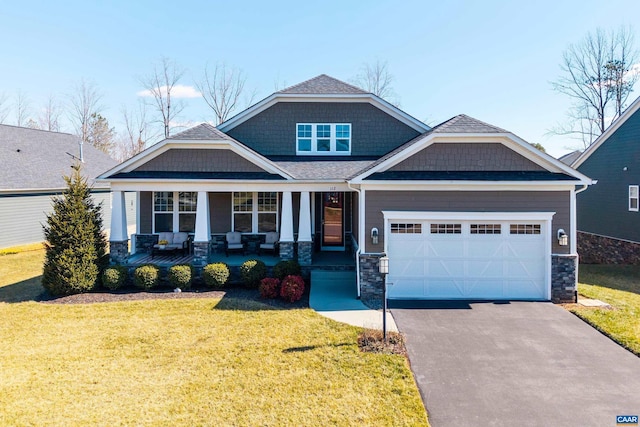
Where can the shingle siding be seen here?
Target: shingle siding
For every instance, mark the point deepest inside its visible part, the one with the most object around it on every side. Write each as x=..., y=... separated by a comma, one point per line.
x=146, y=211
x=273, y=132
x=220, y=212
x=466, y=201
x=467, y=157
x=199, y=160
x=604, y=208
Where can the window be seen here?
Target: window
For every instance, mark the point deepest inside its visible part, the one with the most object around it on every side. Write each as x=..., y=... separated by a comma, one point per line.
x=446, y=228
x=406, y=228
x=170, y=216
x=524, y=229
x=485, y=228
x=255, y=212
x=633, y=198
x=325, y=138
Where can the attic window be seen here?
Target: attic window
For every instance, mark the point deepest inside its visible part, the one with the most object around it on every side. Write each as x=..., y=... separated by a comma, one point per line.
x=323, y=138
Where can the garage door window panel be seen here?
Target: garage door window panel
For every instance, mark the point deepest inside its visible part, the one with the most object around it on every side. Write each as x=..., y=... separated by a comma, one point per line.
x=446, y=228
x=525, y=229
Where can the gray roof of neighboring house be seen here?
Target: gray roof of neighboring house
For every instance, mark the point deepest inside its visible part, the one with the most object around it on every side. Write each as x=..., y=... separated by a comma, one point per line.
x=325, y=168
x=37, y=160
x=202, y=131
x=571, y=157
x=323, y=84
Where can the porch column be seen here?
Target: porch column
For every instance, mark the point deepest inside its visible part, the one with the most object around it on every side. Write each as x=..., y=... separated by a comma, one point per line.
x=203, y=230
x=304, y=233
x=286, y=227
x=118, y=238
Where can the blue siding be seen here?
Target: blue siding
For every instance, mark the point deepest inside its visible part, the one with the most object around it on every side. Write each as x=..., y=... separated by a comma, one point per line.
x=604, y=208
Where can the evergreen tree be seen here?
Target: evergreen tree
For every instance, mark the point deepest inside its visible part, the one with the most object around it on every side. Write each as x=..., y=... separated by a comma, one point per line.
x=74, y=242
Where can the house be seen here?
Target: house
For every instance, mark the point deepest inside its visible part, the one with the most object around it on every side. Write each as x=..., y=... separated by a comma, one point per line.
x=33, y=165
x=462, y=210
x=571, y=157
x=608, y=215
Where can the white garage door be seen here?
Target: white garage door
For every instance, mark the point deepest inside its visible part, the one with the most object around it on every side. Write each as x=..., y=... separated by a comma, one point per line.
x=468, y=259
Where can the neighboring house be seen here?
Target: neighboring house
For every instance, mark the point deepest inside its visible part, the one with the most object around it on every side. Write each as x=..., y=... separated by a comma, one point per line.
x=608, y=215
x=33, y=165
x=571, y=157
x=463, y=210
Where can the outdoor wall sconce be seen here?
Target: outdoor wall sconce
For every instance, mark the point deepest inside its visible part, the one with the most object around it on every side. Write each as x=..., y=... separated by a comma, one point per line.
x=374, y=236
x=563, y=239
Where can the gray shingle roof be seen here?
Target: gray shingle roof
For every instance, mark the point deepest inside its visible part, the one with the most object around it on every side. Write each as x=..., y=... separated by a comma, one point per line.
x=465, y=124
x=37, y=159
x=571, y=157
x=201, y=131
x=325, y=169
x=323, y=84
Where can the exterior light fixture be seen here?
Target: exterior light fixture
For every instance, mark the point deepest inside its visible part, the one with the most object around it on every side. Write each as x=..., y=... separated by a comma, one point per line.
x=563, y=239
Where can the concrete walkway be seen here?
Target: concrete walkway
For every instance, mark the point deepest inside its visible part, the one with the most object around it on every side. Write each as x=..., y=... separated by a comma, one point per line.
x=333, y=295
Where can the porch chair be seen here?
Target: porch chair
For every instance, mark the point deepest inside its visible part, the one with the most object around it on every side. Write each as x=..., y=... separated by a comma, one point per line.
x=271, y=242
x=233, y=242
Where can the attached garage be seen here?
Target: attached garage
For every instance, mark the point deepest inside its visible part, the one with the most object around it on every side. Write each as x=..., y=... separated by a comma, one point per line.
x=469, y=255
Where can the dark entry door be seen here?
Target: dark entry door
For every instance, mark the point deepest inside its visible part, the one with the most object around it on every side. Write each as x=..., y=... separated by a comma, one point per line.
x=332, y=220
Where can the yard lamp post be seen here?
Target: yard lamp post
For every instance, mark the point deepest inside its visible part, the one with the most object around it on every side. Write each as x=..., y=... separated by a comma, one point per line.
x=384, y=270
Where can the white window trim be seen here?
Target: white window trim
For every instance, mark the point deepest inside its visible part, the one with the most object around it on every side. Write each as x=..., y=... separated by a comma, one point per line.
x=254, y=211
x=314, y=141
x=176, y=210
x=636, y=198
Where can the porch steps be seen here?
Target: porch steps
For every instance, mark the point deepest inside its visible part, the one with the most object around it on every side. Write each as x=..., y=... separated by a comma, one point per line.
x=334, y=290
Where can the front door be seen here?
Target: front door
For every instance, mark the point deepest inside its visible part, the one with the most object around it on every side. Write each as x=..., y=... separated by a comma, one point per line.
x=332, y=221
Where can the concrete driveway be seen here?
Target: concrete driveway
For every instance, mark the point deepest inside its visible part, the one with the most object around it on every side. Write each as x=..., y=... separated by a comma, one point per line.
x=517, y=363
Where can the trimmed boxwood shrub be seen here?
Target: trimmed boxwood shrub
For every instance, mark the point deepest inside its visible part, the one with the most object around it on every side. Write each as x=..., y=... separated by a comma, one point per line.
x=114, y=277
x=181, y=276
x=269, y=287
x=146, y=276
x=252, y=272
x=286, y=268
x=292, y=288
x=216, y=275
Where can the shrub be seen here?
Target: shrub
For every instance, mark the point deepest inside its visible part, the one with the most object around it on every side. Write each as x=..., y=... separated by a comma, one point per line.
x=216, y=275
x=181, y=276
x=252, y=272
x=286, y=268
x=115, y=277
x=292, y=288
x=75, y=245
x=146, y=276
x=269, y=287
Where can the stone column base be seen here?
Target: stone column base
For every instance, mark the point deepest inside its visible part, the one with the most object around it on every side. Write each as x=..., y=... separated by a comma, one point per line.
x=564, y=279
x=286, y=250
x=305, y=253
x=371, y=281
x=200, y=253
x=119, y=251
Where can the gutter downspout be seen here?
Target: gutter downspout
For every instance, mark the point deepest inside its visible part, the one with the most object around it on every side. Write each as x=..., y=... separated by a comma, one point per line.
x=359, y=251
x=575, y=193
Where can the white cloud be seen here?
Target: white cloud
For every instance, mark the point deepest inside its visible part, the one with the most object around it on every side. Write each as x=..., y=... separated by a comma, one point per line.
x=178, y=91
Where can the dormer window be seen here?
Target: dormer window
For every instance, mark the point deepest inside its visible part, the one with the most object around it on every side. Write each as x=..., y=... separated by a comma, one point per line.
x=323, y=138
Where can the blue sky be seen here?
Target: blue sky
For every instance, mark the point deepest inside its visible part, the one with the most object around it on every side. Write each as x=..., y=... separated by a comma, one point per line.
x=492, y=60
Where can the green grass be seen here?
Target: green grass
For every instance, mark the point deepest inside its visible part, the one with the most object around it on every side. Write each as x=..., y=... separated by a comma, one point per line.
x=20, y=275
x=191, y=362
x=618, y=285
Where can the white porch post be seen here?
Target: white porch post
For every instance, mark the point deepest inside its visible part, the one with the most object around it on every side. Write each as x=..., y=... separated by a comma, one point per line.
x=304, y=232
x=203, y=233
x=286, y=227
x=118, y=217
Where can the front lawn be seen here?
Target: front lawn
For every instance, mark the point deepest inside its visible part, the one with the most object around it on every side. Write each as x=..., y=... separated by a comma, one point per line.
x=192, y=362
x=618, y=285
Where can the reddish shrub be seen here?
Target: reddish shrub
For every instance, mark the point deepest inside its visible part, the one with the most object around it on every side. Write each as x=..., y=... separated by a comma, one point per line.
x=269, y=287
x=292, y=288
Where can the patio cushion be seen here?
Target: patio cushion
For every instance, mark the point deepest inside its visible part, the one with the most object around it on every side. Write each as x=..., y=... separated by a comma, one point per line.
x=234, y=238
x=235, y=246
x=180, y=238
x=166, y=235
x=271, y=238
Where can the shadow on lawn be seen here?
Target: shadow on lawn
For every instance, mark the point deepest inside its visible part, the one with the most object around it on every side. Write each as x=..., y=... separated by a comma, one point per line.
x=313, y=347
x=25, y=290
x=249, y=300
x=616, y=277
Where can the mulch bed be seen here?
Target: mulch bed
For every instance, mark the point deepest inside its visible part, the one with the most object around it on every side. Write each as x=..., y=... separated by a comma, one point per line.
x=133, y=294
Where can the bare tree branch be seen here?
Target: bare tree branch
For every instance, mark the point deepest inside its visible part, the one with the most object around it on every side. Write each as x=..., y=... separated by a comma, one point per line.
x=159, y=85
x=137, y=132
x=22, y=107
x=222, y=89
x=4, y=107
x=84, y=102
x=49, y=119
x=377, y=79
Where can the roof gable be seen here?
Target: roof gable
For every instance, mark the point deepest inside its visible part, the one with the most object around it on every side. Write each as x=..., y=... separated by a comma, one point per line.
x=465, y=124
x=628, y=113
x=37, y=160
x=322, y=84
